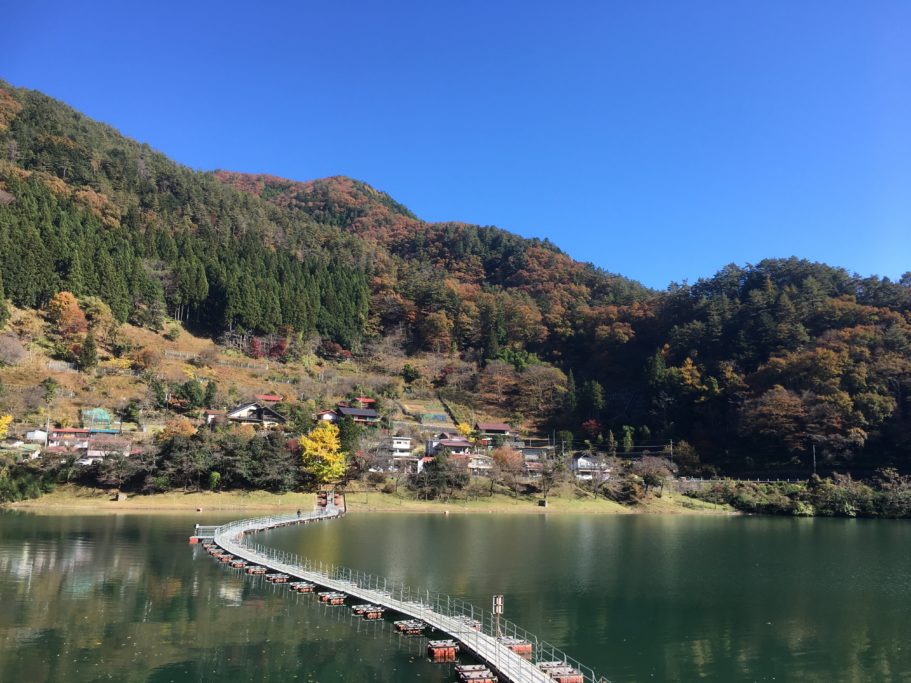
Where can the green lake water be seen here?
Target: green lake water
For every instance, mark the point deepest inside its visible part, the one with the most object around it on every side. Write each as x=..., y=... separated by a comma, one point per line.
x=638, y=598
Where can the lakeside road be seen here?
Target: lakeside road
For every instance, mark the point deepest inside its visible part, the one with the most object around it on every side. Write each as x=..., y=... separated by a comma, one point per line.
x=88, y=501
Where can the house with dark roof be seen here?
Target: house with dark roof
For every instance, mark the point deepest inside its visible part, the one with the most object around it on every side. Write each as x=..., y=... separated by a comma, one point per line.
x=364, y=416
x=491, y=429
x=255, y=414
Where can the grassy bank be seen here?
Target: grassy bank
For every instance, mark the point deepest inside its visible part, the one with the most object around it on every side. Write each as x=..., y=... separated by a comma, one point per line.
x=83, y=499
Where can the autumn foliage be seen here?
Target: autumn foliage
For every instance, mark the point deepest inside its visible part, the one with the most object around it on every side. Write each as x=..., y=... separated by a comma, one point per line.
x=321, y=453
x=178, y=427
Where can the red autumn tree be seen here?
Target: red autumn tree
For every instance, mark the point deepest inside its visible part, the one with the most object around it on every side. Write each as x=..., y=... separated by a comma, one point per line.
x=66, y=316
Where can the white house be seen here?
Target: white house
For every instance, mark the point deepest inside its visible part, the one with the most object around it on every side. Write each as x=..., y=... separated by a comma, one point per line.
x=399, y=450
x=36, y=436
x=478, y=465
x=586, y=467
x=396, y=446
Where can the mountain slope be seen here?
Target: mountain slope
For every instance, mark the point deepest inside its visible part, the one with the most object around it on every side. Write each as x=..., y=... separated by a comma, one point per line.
x=93, y=212
x=754, y=366
x=487, y=287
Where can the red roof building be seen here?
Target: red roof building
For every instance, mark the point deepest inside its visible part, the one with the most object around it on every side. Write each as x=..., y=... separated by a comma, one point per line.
x=268, y=398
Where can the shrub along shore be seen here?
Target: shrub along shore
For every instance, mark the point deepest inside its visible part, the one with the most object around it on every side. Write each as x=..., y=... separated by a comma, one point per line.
x=888, y=495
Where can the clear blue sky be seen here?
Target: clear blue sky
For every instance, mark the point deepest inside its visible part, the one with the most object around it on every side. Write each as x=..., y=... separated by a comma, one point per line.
x=661, y=140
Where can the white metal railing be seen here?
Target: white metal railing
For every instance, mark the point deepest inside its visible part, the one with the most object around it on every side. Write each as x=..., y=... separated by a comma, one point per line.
x=478, y=629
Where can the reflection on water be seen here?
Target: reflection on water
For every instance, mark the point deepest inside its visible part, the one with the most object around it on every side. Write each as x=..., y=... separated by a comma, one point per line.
x=125, y=598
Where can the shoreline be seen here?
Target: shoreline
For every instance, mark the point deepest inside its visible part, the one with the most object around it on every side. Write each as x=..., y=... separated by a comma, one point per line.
x=71, y=498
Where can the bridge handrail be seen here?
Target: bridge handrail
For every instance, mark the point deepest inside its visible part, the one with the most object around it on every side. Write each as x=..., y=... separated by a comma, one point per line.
x=440, y=604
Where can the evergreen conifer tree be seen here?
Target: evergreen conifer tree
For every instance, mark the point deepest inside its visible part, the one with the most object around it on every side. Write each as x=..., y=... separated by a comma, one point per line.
x=4, y=311
x=570, y=401
x=88, y=354
x=211, y=391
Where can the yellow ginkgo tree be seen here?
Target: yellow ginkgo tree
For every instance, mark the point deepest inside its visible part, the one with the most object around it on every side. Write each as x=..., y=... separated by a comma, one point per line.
x=321, y=453
x=5, y=421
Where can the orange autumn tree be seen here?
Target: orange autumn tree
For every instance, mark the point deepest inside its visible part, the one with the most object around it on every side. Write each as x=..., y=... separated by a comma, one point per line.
x=69, y=322
x=179, y=426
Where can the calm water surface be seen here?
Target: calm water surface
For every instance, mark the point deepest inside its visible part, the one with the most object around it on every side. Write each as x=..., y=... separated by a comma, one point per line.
x=124, y=598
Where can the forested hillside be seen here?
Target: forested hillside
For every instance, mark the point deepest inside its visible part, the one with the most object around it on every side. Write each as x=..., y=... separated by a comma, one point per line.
x=89, y=211
x=752, y=367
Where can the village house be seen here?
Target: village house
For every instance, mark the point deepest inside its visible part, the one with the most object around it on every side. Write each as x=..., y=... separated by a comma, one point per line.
x=455, y=445
x=396, y=446
x=90, y=445
x=327, y=416
x=534, y=458
x=478, y=465
x=363, y=416
x=533, y=469
x=490, y=431
x=213, y=416
x=255, y=414
x=103, y=445
x=68, y=439
x=400, y=452
x=36, y=436
x=588, y=467
x=538, y=452
x=20, y=450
